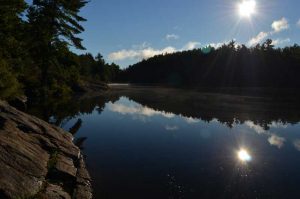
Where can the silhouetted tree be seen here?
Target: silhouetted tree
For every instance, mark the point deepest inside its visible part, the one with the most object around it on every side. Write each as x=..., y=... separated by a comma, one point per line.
x=53, y=26
x=35, y=55
x=231, y=65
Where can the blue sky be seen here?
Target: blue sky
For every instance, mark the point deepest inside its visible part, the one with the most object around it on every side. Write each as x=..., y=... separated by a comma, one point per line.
x=127, y=31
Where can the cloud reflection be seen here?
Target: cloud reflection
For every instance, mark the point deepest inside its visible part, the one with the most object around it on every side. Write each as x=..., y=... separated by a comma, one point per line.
x=276, y=141
x=171, y=128
x=137, y=109
x=127, y=107
x=258, y=129
x=273, y=139
x=191, y=120
x=297, y=144
x=278, y=125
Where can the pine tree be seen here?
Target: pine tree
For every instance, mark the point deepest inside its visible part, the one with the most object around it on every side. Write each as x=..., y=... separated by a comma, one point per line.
x=11, y=50
x=10, y=23
x=54, y=25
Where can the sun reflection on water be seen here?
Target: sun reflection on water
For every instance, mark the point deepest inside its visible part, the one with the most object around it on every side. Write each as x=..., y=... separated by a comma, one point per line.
x=244, y=155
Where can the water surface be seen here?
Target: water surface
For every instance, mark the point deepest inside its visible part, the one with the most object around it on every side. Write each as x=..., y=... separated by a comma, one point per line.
x=141, y=145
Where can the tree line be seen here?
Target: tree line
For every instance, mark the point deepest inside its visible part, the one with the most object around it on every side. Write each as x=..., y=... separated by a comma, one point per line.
x=231, y=65
x=35, y=55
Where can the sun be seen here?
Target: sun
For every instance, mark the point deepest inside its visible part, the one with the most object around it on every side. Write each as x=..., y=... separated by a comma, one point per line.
x=247, y=8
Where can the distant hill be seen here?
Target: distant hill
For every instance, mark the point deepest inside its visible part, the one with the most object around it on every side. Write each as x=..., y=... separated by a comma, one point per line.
x=228, y=66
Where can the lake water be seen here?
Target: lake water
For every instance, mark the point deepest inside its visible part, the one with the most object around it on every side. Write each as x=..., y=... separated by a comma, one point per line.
x=173, y=144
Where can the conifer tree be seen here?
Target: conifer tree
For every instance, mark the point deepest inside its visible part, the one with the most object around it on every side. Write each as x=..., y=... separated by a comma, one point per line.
x=11, y=50
x=54, y=25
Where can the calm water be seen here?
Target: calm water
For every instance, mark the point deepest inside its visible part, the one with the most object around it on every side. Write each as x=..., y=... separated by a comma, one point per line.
x=136, y=148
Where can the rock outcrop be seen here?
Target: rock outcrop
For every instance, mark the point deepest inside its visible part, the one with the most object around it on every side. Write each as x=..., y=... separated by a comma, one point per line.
x=39, y=160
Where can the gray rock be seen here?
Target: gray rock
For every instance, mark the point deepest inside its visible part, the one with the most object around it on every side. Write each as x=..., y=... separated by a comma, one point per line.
x=83, y=192
x=82, y=171
x=65, y=165
x=83, y=189
x=54, y=192
x=28, y=147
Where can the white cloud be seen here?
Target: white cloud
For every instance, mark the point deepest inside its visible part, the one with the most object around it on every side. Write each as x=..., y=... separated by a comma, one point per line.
x=191, y=45
x=171, y=37
x=276, y=141
x=277, y=27
x=123, y=54
x=220, y=44
x=146, y=52
x=281, y=41
x=216, y=45
x=171, y=128
x=280, y=25
x=298, y=23
x=257, y=39
x=150, y=52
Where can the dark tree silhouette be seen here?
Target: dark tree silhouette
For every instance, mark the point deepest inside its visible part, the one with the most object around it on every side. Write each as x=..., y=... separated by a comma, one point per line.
x=227, y=66
x=35, y=58
x=53, y=26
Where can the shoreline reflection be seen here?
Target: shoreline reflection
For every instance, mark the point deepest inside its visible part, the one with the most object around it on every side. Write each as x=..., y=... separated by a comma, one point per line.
x=139, y=138
x=126, y=106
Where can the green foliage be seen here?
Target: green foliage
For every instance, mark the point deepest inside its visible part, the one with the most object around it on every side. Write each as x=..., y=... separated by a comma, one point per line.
x=58, y=90
x=35, y=54
x=9, y=85
x=56, y=21
x=96, y=68
x=10, y=22
x=53, y=26
x=10, y=47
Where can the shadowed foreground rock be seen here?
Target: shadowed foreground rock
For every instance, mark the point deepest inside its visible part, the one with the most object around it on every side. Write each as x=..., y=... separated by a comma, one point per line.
x=39, y=160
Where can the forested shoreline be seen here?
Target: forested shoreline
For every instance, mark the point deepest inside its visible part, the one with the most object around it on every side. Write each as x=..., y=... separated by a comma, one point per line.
x=35, y=55
x=36, y=59
x=231, y=65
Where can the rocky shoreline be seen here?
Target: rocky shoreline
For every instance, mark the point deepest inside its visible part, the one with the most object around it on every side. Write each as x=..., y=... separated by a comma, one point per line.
x=39, y=160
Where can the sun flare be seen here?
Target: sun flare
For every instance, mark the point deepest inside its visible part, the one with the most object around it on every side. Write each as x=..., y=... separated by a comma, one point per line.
x=247, y=8
x=244, y=155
